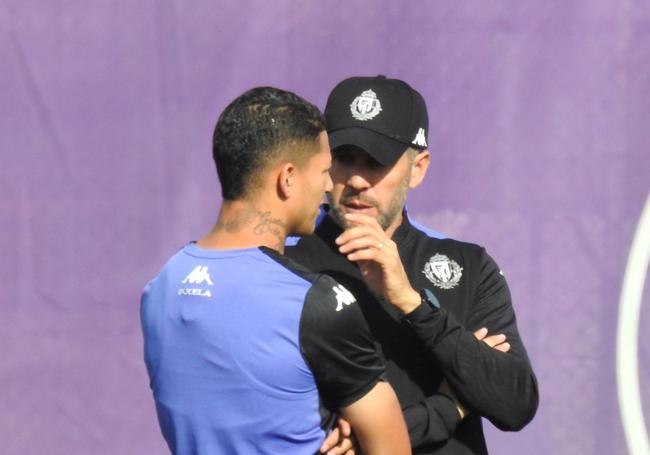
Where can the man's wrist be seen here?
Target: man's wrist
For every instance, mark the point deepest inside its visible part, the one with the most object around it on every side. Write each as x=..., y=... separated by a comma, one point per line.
x=409, y=303
x=427, y=307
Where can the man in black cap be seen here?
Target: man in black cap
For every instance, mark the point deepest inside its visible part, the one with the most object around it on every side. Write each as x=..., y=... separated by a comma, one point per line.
x=440, y=309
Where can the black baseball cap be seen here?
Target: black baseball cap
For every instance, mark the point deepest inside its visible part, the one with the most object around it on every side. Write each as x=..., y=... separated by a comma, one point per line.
x=382, y=116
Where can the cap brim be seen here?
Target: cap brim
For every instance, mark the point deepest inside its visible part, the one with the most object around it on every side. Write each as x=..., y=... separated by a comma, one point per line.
x=382, y=148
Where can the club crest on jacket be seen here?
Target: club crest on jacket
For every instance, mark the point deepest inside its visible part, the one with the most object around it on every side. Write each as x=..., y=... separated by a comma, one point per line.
x=443, y=272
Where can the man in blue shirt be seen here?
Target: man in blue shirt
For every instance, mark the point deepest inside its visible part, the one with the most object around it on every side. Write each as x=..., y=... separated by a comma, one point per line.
x=248, y=352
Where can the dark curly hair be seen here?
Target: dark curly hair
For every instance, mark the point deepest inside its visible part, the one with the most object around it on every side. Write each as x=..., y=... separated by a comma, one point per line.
x=257, y=129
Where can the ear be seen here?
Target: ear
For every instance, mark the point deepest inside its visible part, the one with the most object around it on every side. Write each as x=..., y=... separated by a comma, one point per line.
x=287, y=182
x=419, y=168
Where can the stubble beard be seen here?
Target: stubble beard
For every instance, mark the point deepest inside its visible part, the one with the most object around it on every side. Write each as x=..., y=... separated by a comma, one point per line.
x=384, y=218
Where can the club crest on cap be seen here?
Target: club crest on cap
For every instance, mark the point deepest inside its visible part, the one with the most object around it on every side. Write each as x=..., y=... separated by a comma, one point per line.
x=443, y=272
x=365, y=106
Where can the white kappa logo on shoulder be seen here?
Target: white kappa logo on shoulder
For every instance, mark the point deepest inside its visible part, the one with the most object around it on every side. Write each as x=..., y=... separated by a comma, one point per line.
x=365, y=106
x=198, y=276
x=343, y=297
x=443, y=272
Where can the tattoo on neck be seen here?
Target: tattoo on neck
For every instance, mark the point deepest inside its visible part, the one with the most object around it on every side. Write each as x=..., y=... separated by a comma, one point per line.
x=273, y=226
x=236, y=223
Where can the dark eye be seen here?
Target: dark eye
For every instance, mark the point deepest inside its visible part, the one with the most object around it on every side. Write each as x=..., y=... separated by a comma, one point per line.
x=342, y=159
x=374, y=165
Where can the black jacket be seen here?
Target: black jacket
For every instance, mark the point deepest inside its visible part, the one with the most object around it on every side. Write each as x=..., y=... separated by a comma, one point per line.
x=428, y=345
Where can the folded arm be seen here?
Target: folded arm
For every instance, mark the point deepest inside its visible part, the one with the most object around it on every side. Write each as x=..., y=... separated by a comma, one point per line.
x=378, y=422
x=500, y=386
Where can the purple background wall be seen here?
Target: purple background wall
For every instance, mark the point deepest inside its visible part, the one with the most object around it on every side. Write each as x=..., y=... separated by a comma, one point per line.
x=540, y=115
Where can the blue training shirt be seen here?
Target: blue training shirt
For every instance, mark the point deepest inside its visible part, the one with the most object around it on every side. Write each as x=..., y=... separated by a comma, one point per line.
x=242, y=346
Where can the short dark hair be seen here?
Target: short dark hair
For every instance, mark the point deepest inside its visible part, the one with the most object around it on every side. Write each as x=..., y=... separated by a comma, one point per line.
x=254, y=131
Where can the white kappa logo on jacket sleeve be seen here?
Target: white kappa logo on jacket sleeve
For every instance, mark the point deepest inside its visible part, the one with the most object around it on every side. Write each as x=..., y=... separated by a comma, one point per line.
x=343, y=297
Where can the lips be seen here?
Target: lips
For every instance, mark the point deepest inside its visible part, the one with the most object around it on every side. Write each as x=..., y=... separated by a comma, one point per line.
x=357, y=205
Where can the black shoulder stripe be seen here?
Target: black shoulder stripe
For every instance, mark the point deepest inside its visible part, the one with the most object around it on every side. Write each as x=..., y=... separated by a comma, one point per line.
x=291, y=265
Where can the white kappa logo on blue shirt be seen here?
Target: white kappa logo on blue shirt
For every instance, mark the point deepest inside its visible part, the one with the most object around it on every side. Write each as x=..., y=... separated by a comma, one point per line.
x=199, y=275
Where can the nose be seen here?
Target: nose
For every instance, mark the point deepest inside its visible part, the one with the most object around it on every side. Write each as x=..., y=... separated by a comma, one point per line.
x=328, y=183
x=357, y=181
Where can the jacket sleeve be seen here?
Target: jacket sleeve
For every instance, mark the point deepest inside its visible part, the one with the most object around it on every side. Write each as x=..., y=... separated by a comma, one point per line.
x=499, y=386
x=432, y=420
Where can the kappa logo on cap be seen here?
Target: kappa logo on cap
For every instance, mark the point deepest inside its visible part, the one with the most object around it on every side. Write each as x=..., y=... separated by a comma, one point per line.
x=420, y=139
x=365, y=106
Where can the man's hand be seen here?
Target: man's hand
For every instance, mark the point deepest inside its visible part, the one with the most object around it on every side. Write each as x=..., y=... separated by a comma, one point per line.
x=340, y=441
x=446, y=390
x=497, y=342
x=366, y=244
